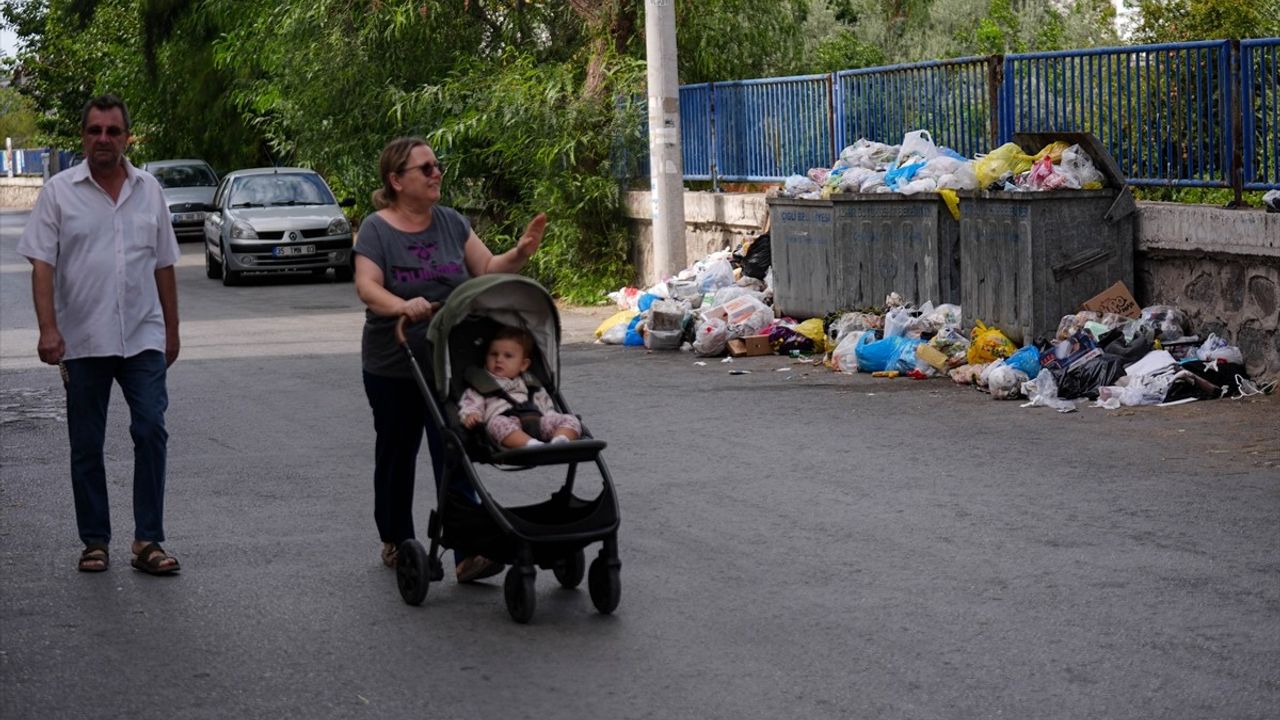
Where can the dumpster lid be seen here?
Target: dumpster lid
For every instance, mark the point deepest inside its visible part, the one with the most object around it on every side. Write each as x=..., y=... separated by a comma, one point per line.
x=1034, y=142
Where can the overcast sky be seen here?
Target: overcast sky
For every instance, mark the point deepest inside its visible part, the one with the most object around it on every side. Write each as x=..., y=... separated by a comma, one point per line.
x=8, y=42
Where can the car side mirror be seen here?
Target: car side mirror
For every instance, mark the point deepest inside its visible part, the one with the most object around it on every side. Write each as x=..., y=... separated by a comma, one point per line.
x=347, y=202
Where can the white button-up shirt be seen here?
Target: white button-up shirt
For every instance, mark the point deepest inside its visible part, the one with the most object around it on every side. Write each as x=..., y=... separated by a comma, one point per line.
x=105, y=254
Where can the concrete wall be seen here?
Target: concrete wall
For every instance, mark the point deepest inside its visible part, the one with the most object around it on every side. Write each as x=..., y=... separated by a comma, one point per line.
x=19, y=193
x=1222, y=267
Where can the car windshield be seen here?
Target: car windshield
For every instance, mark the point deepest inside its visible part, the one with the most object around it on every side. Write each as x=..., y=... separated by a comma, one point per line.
x=176, y=176
x=280, y=189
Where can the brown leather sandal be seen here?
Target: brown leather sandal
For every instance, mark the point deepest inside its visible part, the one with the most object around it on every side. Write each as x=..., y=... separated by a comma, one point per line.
x=150, y=560
x=94, y=558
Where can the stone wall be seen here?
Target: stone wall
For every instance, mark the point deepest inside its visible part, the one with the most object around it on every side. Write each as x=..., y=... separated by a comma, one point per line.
x=1222, y=267
x=19, y=193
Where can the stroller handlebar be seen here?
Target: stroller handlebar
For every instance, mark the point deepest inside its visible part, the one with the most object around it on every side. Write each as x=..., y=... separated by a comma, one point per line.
x=400, y=338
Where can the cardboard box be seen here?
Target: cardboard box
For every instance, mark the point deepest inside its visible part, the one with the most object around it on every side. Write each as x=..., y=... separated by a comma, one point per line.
x=1115, y=299
x=750, y=346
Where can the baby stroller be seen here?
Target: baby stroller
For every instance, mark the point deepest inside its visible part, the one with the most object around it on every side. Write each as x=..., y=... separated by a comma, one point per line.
x=548, y=535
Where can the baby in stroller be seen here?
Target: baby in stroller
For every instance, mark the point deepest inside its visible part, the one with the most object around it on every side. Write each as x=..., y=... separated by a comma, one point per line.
x=515, y=410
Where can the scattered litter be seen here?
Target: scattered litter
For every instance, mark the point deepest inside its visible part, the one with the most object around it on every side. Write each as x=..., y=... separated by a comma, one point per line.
x=739, y=372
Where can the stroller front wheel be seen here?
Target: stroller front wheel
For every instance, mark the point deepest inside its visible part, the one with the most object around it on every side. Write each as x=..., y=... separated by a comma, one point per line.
x=519, y=591
x=604, y=582
x=570, y=570
x=413, y=572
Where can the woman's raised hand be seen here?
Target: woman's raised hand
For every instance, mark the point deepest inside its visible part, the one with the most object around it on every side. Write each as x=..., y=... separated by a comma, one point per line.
x=532, y=236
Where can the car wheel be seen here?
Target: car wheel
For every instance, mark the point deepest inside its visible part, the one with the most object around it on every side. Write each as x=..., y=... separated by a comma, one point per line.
x=229, y=277
x=212, y=268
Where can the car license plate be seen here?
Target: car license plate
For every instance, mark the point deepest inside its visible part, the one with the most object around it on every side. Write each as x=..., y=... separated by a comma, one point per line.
x=188, y=217
x=290, y=250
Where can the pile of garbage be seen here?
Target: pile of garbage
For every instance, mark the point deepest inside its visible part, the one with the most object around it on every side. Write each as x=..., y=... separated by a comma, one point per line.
x=918, y=165
x=723, y=304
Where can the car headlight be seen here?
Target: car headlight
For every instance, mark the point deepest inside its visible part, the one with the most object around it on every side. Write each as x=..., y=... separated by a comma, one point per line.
x=241, y=230
x=339, y=226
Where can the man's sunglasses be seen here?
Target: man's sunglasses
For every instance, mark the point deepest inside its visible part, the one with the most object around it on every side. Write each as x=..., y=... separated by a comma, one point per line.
x=111, y=130
x=428, y=168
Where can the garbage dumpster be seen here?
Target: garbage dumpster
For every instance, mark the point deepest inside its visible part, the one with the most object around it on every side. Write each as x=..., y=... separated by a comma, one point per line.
x=886, y=243
x=806, y=281
x=1028, y=258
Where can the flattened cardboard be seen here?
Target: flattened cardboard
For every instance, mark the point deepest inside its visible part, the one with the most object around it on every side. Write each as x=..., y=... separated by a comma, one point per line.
x=1115, y=299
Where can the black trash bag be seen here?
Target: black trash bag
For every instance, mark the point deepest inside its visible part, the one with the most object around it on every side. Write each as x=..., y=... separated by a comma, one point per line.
x=758, y=258
x=1212, y=381
x=1113, y=343
x=1084, y=378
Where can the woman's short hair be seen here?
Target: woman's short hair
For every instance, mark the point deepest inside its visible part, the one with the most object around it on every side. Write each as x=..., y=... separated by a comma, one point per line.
x=394, y=157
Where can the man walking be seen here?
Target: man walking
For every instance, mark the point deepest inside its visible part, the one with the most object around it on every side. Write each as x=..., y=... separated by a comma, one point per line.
x=102, y=253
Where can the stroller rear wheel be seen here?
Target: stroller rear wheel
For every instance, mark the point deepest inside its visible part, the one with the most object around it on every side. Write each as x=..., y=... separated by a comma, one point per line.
x=570, y=570
x=413, y=571
x=519, y=592
x=604, y=582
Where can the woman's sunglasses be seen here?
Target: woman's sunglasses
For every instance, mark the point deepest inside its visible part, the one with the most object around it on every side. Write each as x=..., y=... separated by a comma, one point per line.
x=428, y=168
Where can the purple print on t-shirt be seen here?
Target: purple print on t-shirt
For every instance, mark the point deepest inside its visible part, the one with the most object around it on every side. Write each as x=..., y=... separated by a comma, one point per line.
x=427, y=270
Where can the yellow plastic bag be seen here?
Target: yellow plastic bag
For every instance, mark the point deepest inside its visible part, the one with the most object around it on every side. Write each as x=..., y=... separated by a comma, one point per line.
x=988, y=344
x=952, y=200
x=622, y=316
x=1053, y=150
x=1006, y=158
x=812, y=329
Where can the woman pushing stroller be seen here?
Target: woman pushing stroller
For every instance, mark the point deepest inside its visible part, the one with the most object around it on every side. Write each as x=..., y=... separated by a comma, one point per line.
x=411, y=255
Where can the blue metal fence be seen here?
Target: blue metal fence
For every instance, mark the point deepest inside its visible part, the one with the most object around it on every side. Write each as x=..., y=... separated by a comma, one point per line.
x=1189, y=114
x=1260, y=105
x=1164, y=111
x=696, y=128
x=765, y=129
x=951, y=98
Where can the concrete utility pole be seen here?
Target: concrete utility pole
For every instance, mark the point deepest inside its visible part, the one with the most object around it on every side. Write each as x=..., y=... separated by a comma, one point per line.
x=666, y=166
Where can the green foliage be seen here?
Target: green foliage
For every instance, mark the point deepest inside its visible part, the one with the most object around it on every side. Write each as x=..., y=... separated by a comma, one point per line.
x=1183, y=20
x=17, y=118
x=1221, y=197
x=526, y=140
x=733, y=40
x=844, y=51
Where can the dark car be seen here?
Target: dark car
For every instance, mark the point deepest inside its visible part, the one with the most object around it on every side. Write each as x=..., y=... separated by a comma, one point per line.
x=188, y=190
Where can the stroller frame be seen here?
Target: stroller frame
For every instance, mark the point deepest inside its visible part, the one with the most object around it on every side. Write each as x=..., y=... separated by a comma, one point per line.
x=549, y=535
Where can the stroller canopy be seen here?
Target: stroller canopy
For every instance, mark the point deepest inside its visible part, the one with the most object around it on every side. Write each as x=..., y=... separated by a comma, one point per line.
x=508, y=299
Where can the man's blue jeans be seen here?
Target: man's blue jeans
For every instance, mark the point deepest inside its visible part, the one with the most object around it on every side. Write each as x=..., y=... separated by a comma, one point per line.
x=142, y=380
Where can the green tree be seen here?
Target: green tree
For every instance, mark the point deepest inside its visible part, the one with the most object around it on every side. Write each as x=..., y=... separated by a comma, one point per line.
x=1184, y=20
x=17, y=117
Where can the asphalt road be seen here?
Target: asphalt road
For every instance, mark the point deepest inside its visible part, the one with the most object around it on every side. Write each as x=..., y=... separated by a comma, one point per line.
x=795, y=544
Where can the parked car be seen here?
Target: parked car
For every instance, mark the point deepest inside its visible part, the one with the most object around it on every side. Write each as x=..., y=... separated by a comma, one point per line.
x=276, y=220
x=188, y=189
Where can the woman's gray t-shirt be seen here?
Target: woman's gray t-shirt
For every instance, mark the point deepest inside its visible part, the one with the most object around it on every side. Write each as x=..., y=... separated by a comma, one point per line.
x=427, y=264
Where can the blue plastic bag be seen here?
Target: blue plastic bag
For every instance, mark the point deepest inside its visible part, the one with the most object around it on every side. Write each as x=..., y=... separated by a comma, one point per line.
x=896, y=176
x=887, y=354
x=634, y=338
x=1027, y=360
x=906, y=359
x=645, y=301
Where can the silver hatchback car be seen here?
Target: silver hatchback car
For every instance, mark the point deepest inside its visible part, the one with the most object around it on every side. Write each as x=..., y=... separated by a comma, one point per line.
x=188, y=189
x=276, y=220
